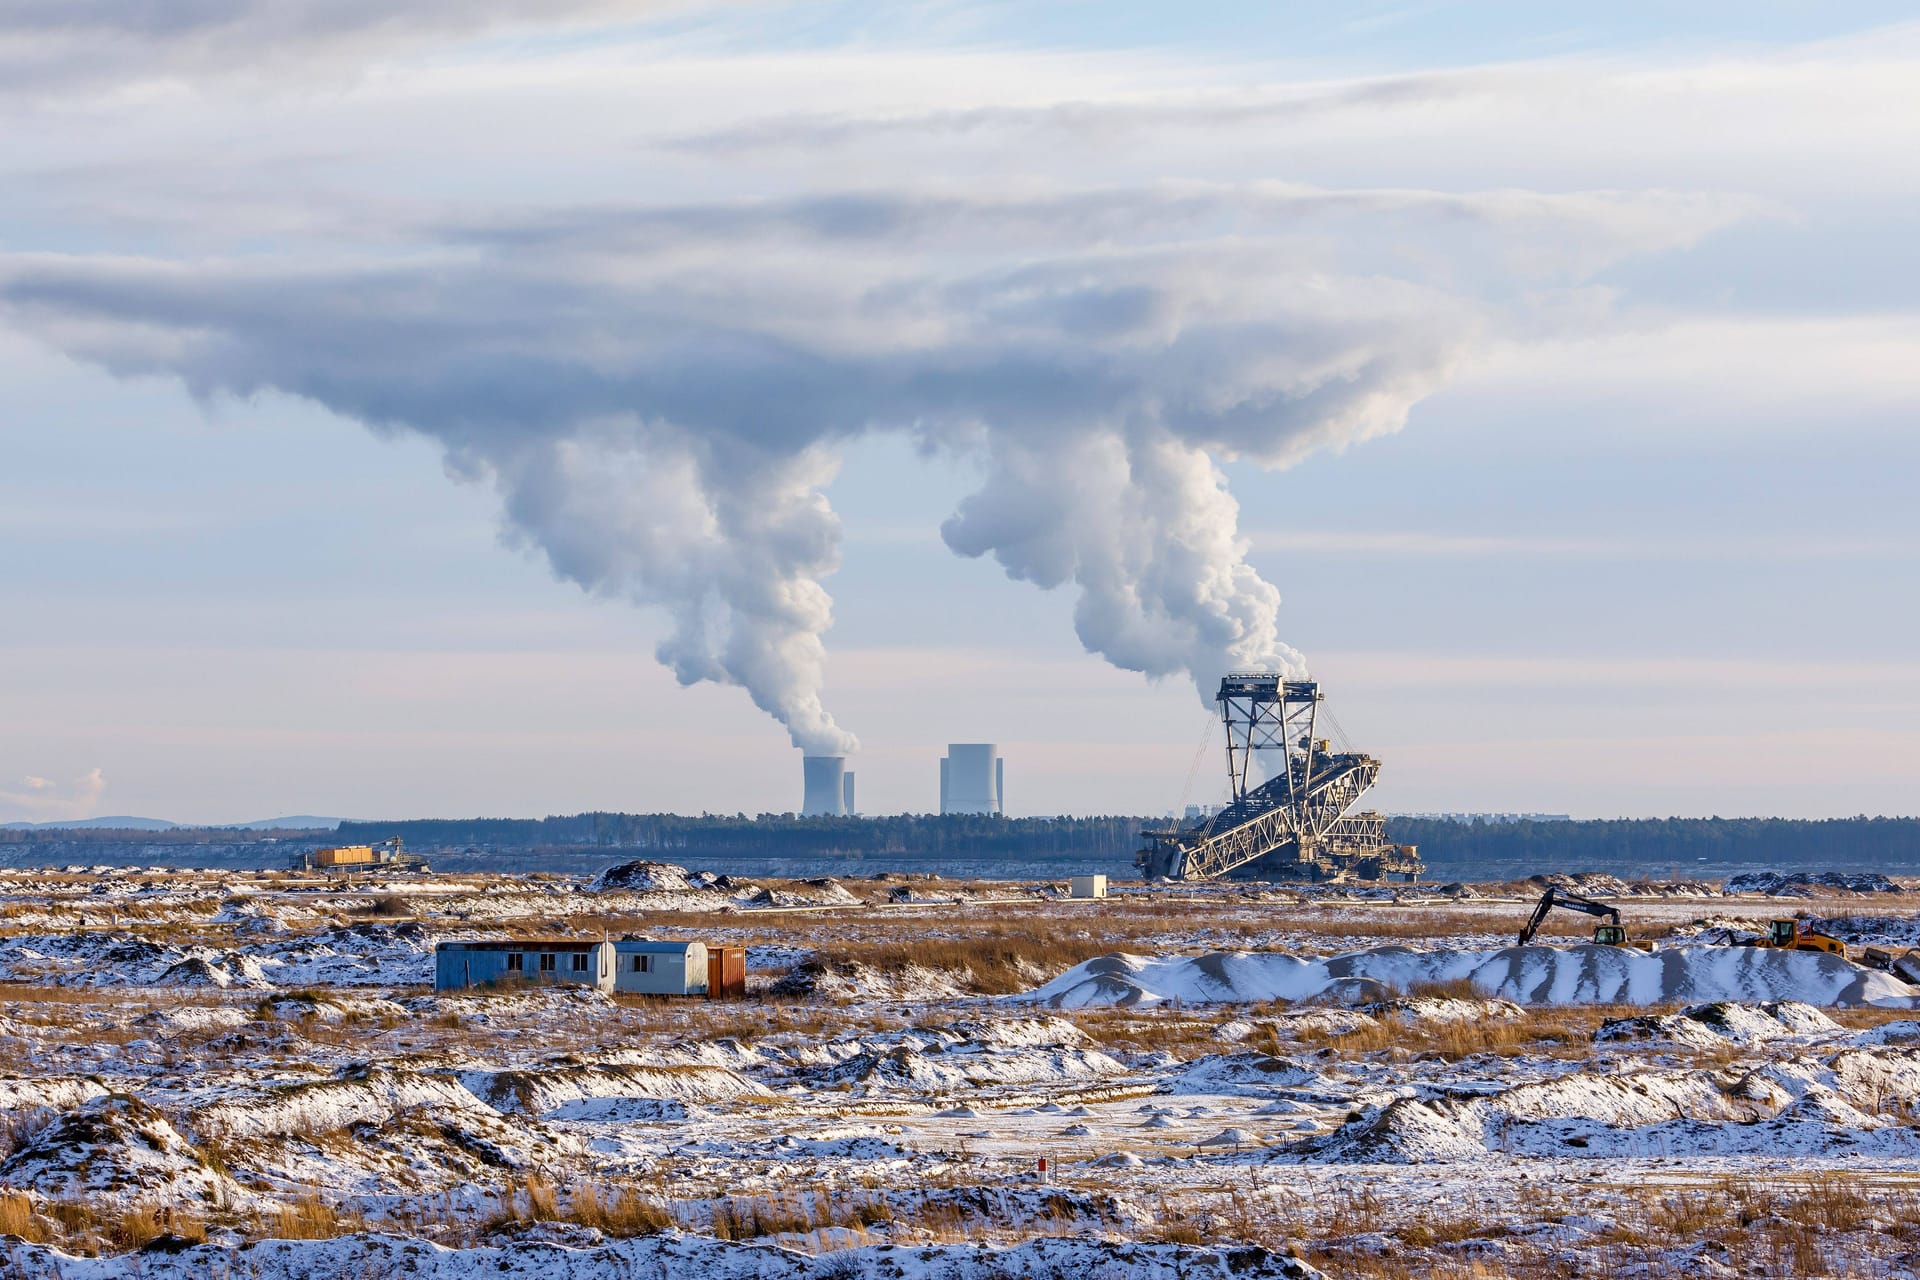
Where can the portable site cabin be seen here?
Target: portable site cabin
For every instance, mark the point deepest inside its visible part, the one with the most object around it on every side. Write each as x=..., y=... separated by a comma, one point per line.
x=547, y=961
x=1094, y=886
x=660, y=968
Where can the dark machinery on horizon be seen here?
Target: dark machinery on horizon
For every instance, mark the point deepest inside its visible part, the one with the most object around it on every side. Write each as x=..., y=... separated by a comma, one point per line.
x=353, y=859
x=1299, y=824
x=1611, y=933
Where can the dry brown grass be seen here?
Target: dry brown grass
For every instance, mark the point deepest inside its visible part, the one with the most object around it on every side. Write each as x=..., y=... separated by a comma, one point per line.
x=18, y=994
x=17, y=1218
x=751, y=1217
x=521, y=1201
x=92, y=1228
x=311, y=1218
x=618, y=1213
x=1553, y=1031
x=1155, y=1029
x=1818, y=1224
x=996, y=961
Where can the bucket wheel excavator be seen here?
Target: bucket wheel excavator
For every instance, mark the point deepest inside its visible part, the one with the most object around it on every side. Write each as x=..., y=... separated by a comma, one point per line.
x=1297, y=824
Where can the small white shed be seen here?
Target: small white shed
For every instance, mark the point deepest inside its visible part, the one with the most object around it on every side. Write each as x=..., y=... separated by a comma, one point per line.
x=1094, y=886
x=660, y=968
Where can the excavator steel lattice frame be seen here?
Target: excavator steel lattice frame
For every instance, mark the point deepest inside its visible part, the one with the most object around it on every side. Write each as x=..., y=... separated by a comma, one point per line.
x=1299, y=823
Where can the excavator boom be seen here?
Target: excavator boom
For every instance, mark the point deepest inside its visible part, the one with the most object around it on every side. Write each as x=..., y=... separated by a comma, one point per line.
x=1555, y=896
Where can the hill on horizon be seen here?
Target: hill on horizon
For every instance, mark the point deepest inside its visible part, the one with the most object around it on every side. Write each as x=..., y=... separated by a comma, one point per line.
x=295, y=822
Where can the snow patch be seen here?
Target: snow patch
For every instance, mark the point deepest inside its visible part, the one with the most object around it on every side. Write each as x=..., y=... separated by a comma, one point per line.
x=669, y=1254
x=1805, y=884
x=643, y=877
x=116, y=1147
x=1585, y=974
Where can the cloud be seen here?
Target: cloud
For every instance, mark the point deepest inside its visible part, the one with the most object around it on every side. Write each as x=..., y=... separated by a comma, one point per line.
x=50, y=47
x=44, y=800
x=1437, y=545
x=656, y=393
x=1096, y=122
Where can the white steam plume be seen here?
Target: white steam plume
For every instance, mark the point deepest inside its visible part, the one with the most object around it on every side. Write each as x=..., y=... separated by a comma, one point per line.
x=657, y=393
x=1148, y=533
x=730, y=542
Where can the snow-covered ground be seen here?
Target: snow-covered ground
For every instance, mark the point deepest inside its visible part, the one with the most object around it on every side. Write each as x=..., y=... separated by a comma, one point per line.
x=248, y=1075
x=1553, y=975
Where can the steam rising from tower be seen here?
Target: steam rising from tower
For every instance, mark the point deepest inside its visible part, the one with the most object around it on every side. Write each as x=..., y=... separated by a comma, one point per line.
x=659, y=393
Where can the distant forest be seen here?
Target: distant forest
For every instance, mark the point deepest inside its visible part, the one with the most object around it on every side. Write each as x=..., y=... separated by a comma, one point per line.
x=1709, y=848
x=1649, y=845
x=772, y=835
x=1657, y=844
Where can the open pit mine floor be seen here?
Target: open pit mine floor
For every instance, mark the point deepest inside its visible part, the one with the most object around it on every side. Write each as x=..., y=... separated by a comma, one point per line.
x=250, y=1075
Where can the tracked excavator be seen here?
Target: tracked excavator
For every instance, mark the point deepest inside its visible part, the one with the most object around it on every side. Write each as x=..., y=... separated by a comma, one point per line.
x=1610, y=933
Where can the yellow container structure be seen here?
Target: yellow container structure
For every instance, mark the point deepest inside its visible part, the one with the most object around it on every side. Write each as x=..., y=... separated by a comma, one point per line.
x=351, y=855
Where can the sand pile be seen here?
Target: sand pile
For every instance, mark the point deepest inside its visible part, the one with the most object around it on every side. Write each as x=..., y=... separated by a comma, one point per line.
x=1804, y=884
x=1585, y=974
x=641, y=877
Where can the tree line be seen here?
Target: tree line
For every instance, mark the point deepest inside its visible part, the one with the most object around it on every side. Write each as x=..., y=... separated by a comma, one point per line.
x=771, y=834
x=1605, y=844
x=1640, y=843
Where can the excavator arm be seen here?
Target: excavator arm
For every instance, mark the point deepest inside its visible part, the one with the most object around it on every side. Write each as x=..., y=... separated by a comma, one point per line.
x=1555, y=896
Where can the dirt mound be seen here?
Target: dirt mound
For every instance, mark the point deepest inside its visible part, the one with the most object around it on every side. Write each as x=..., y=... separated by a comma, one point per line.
x=822, y=891
x=675, y=1254
x=1598, y=884
x=642, y=876
x=1246, y=1073
x=442, y=1147
x=1012, y=1033
x=1582, y=974
x=1891, y=932
x=47, y=1093
x=195, y=972
x=1807, y=884
x=852, y=980
x=1406, y=1131
x=1721, y=931
x=1709, y=1026
x=318, y=1106
x=1853, y=1101
x=307, y=1007
x=944, y=1068
x=1431, y=1009
x=118, y=1147
x=541, y=1089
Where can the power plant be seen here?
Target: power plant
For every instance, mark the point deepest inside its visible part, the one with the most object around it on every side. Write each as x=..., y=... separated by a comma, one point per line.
x=973, y=779
x=829, y=787
x=1296, y=825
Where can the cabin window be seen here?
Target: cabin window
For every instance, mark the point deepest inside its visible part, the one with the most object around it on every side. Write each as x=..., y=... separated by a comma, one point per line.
x=643, y=964
x=515, y=962
x=579, y=962
x=547, y=961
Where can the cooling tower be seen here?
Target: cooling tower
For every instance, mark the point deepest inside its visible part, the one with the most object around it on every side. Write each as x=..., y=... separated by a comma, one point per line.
x=846, y=795
x=827, y=788
x=970, y=778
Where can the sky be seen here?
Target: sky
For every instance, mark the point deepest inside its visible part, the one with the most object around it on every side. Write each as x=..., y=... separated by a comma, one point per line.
x=500, y=408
